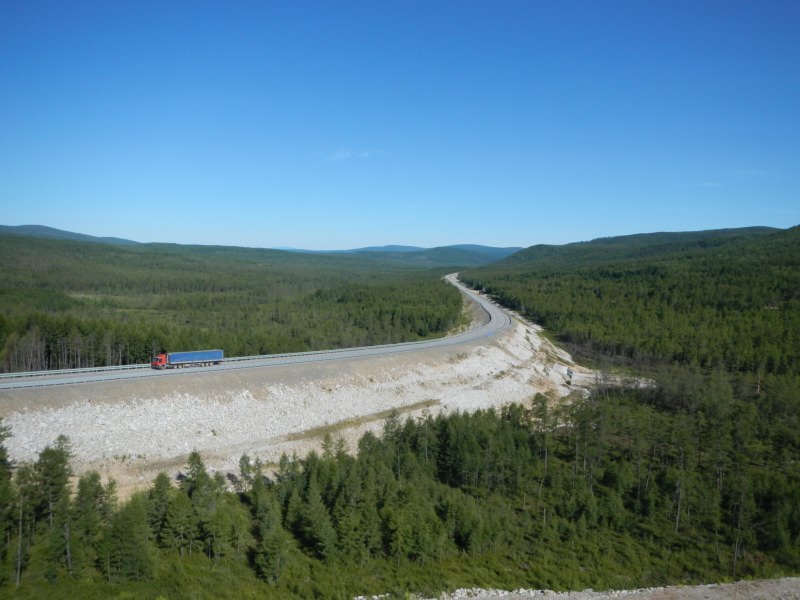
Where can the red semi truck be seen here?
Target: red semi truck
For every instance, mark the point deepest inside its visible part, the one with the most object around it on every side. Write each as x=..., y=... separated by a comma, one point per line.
x=194, y=358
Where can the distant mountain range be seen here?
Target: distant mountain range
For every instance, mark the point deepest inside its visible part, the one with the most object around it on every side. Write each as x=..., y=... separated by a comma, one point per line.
x=459, y=255
x=41, y=231
x=628, y=247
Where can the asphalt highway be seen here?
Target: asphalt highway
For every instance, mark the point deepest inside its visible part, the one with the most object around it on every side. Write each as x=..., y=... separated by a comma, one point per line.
x=499, y=320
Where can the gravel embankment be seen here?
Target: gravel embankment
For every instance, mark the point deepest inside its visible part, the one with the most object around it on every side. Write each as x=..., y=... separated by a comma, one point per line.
x=768, y=589
x=132, y=429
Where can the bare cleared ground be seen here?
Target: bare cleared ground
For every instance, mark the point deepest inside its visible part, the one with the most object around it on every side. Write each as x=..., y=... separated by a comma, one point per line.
x=132, y=429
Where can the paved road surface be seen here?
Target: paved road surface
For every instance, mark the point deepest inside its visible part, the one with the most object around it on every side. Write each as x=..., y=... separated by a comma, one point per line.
x=499, y=320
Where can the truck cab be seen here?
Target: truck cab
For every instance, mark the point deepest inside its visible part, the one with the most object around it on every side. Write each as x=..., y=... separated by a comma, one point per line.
x=159, y=362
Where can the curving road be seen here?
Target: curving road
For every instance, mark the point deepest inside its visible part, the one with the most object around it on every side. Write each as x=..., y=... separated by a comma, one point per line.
x=499, y=320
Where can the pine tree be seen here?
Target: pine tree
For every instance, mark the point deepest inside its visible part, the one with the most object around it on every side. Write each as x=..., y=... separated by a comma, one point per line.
x=180, y=530
x=52, y=476
x=26, y=480
x=87, y=510
x=127, y=551
x=271, y=554
x=61, y=541
x=369, y=525
x=158, y=504
x=346, y=518
x=318, y=532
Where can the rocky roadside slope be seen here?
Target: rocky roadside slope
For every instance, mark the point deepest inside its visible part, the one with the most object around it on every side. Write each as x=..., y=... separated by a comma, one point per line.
x=772, y=589
x=132, y=429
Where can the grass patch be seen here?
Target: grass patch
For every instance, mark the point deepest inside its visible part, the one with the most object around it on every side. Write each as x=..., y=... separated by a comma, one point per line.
x=333, y=428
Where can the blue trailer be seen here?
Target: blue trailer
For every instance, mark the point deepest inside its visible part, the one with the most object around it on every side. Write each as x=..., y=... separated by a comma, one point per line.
x=194, y=358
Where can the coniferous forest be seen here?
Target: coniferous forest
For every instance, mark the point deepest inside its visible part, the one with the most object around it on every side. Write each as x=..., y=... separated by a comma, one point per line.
x=694, y=478
x=728, y=299
x=68, y=304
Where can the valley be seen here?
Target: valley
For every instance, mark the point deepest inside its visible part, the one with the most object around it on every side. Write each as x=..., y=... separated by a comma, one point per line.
x=131, y=429
x=403, y=432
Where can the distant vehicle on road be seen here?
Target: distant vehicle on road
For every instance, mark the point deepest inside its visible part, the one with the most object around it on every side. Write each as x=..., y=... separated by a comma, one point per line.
x=194, y=358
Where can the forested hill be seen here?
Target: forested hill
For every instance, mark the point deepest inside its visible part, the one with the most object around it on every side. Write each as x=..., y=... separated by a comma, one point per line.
x=42, y=231
x=66, y=303
x=466, y=255
x=694, y=479
x=714, y=318
x=726, y=298
x=609, y=249
x=455, y=256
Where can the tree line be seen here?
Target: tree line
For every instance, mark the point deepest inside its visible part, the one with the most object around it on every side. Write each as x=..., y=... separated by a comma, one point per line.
x=71, y=304
x=693, y=479
x=734, y=306
x=689, y=481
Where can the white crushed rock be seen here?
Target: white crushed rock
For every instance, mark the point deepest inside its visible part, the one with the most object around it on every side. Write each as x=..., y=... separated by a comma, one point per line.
x=133, y=430
x=787, y=588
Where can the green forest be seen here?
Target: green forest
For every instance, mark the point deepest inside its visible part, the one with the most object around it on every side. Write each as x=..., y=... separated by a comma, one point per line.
x=67, y=304
x=621, y=489
x=727, y=299
x=693, y=478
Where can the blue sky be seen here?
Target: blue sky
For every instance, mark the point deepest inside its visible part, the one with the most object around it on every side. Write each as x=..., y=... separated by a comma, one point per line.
x=342, y=124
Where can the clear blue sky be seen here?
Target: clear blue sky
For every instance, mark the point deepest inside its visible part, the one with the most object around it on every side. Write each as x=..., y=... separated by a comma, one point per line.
x=344, y=124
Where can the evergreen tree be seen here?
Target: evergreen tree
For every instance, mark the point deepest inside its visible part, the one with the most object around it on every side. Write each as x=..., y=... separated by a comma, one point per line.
x=126, y=550
x=271, y=553
x=319, y=535
x=90, y=515
x=52, y=477
x=158, y=505
x=61, y=541
x=369, y=525
x=26, y=480
x=180, y=531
